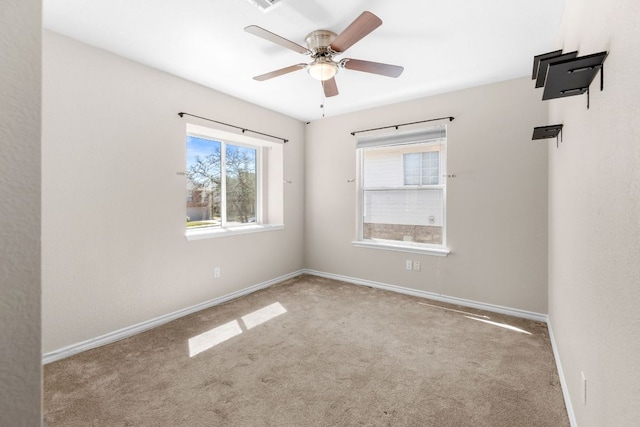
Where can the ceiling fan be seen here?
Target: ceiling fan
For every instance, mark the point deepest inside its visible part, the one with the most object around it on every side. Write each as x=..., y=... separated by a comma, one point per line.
x=323, y=46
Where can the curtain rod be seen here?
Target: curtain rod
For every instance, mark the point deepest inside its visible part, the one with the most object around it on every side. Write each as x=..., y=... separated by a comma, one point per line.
x=182, y=114
x=450, y=118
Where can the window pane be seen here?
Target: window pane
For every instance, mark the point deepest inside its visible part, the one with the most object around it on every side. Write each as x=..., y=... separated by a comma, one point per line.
x=412, y=169
x=409, y=215
x=203, y=182
x=382, y=167
x=430, y=168
x=241, y=184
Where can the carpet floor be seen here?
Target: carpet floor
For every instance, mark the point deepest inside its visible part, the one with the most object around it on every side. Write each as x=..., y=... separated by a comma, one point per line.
x=316, y=352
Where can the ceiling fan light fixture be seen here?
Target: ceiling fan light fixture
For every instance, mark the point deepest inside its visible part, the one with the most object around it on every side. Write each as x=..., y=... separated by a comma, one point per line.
x=322, y=69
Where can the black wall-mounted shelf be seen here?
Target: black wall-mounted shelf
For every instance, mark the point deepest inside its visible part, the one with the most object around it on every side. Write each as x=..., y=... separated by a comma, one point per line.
x=538, y=58
x=543, y=61
x=567, y=74
x=544, y=132
x=562, y=75
x=574, y=76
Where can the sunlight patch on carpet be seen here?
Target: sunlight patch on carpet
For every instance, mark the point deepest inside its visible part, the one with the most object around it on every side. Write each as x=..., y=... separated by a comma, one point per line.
x=220, y=334
x=213, y=337
x=502, y=325
x=262, y=315
x=455, y=311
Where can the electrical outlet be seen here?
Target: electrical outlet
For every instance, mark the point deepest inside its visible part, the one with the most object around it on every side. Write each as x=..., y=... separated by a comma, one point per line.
x=216, y=273
x=416, y=265
x=408, y=265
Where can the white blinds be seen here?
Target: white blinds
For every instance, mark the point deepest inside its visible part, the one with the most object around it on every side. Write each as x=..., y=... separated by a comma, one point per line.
x=431, y=134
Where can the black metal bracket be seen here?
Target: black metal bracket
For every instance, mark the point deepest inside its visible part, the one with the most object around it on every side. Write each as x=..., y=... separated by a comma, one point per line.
x=182, y=114
x=557, y=145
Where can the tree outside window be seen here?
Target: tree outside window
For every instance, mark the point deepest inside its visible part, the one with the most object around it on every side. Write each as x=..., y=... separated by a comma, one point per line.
x=221, y=183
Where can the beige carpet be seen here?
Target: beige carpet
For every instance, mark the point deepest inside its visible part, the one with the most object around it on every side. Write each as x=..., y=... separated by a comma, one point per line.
x=316, y=352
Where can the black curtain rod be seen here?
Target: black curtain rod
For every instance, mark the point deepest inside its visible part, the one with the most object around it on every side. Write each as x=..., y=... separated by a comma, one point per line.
x=450, y=118
x=182, y=114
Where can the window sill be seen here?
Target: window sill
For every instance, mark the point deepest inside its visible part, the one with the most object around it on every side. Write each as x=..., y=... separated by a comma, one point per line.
x=399, y=247
x=210, y=233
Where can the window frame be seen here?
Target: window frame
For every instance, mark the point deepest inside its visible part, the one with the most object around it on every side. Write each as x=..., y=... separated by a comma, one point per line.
x=403, y=140
x=264, y=164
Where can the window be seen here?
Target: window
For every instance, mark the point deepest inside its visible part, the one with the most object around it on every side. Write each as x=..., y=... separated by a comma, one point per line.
x=232, y=183
x=402, y=191
x=221, y=183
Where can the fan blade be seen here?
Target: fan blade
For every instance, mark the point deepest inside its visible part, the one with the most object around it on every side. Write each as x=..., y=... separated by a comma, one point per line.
x=279, y=72
x=363, y=25
x=330, y=87
x=372, y=67
x=274, y=38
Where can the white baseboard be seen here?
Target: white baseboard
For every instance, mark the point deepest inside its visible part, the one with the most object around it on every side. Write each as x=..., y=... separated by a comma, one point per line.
x=149, y=324
x=433, y=296
x=563, y=381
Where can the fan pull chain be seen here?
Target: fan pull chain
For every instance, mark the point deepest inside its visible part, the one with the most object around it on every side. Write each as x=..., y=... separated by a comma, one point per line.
x=322, y=99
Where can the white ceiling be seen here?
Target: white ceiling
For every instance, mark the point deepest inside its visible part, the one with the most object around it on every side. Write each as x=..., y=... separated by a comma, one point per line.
x=443, y=45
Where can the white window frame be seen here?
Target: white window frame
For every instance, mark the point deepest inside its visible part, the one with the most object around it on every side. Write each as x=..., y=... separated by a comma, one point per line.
x=265, y=174
x=425, y=135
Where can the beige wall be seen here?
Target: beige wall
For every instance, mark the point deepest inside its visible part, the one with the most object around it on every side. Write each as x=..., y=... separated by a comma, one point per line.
x=594, y=219
x=496, y=208
x=20, y=76
x=113, y=247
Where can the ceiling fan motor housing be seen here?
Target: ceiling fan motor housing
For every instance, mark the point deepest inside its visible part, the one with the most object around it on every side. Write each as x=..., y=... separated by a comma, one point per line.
x=318, y=42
